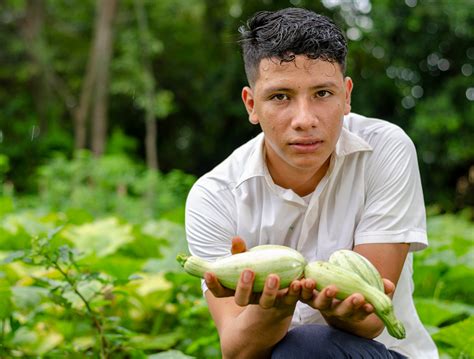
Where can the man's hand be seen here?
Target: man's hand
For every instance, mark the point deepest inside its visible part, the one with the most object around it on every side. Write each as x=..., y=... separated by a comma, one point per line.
x=271, y=296
x=345, y=314
x=353, y=308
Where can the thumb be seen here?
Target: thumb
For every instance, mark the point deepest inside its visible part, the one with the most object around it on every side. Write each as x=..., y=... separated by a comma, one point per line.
x=238, y=245
x=389, y=287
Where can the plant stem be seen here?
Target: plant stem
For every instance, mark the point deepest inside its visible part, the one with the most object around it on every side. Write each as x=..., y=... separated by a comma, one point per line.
x=103, y=341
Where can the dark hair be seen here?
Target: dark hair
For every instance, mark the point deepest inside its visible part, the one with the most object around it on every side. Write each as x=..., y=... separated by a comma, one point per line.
x=283, y=34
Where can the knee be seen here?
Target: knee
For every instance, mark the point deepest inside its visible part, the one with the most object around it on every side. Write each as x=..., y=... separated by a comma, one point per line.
x=303, y=342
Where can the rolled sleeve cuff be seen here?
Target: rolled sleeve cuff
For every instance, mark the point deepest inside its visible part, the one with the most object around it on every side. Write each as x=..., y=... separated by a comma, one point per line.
x=417, y=238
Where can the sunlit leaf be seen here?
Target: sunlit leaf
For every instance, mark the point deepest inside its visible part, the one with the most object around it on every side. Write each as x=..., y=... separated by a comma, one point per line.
x=170, y=354
x=102, y=237
x=6, y=305
x=87, y=289
x=37, y=341
x=28, y=298
x=156, y=342
x=176, y=243
x=459, y=337
x=433, y=312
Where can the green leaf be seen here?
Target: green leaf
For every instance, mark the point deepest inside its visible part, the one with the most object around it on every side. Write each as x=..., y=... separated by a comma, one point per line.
x=38, y=340
x=6, y=306
x=156, y=342
x=458, y=338
x=28, y=298
x=118, y=266
x=176, y=243
x=102, y=237
x=170, y=354
x=6, y=205
x=433, y=312
x=88, y=290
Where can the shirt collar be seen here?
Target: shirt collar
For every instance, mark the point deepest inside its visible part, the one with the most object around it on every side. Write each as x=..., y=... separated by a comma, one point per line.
x=255, y=165
x=349, y=143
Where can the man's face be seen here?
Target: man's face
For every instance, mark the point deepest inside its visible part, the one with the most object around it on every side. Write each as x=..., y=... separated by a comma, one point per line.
x=300, y=107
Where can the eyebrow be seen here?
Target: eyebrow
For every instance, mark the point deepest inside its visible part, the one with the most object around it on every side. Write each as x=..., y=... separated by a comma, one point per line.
x=323, y=85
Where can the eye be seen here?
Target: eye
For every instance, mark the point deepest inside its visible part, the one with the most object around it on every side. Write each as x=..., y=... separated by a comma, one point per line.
x=279, y=97
x=323, y=94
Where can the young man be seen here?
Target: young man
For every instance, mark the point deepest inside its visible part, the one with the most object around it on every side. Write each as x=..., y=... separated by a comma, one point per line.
x=318, y=178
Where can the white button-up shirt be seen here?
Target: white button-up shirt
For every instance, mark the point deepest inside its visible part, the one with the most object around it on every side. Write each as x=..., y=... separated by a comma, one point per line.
x=370, y=194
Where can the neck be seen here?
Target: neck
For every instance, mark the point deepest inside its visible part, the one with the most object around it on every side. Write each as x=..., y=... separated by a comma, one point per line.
x=301, y=181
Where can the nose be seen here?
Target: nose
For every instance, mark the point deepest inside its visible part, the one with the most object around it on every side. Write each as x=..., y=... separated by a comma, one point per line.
x=304, y=117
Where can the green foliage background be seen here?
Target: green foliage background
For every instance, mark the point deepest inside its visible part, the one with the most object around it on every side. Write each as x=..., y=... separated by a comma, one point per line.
x=86, y=271
x=87, y=264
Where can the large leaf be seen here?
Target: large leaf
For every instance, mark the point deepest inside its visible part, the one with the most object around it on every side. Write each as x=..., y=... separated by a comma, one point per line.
x=458, y=338
x=37, y=341
x=6, y=306
x=435, y=312
x=156, y=342
x=87, y=289
x=175, y=237
x=102, y=237
x=118, y=266
x=28, y=298
x=170, y=354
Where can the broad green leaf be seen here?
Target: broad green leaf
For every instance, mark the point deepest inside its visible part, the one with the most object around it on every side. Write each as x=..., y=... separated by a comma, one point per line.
x=6, y=205
x=458, y=337
x=459, y=284
x=6, y=306
x=28, y=221
x=151, y=283
x=156, y=342
x=170, y=354
x=434, y=312
x=81, y=344
x=102, y=237
x=28, y=298
x=38, y=340
x=118, y=266
x=87, y=289
x=176, y=243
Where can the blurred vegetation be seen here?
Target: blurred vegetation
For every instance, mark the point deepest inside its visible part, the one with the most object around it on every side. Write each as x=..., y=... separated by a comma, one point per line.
x=88, y=239
x=88, y=269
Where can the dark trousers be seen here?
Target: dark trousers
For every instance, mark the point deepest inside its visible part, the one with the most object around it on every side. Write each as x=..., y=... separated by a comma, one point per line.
x=324, y=342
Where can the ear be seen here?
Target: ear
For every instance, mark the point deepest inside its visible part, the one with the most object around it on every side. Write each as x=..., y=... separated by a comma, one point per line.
x=348, y=87
x=248, y=100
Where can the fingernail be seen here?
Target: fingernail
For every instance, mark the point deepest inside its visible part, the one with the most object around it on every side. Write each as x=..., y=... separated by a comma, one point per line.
x=207, y=277
x=307, y=285
x=355, y=301
x=329, y=293
x=272, y=282
x=247, y=277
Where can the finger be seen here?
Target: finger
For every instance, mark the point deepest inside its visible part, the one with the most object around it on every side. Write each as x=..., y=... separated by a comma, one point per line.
x=307, y=289
x=243, y=292
x=323, y=300
x=270, y=291
x=354, y=307
x=238, y=245
x=216, y=287
x=293, y=293
x=389, y=287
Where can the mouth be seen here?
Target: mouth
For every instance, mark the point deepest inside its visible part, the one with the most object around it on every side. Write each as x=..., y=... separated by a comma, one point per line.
x=306, y=146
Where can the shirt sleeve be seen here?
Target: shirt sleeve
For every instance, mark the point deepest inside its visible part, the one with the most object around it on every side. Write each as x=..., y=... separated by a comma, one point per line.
x=394, y=210
x=209, y=222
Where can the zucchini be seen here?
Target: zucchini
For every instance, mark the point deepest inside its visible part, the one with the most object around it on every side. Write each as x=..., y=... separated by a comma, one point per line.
x=263, y=260
x=347, y=283
x=358, y=264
